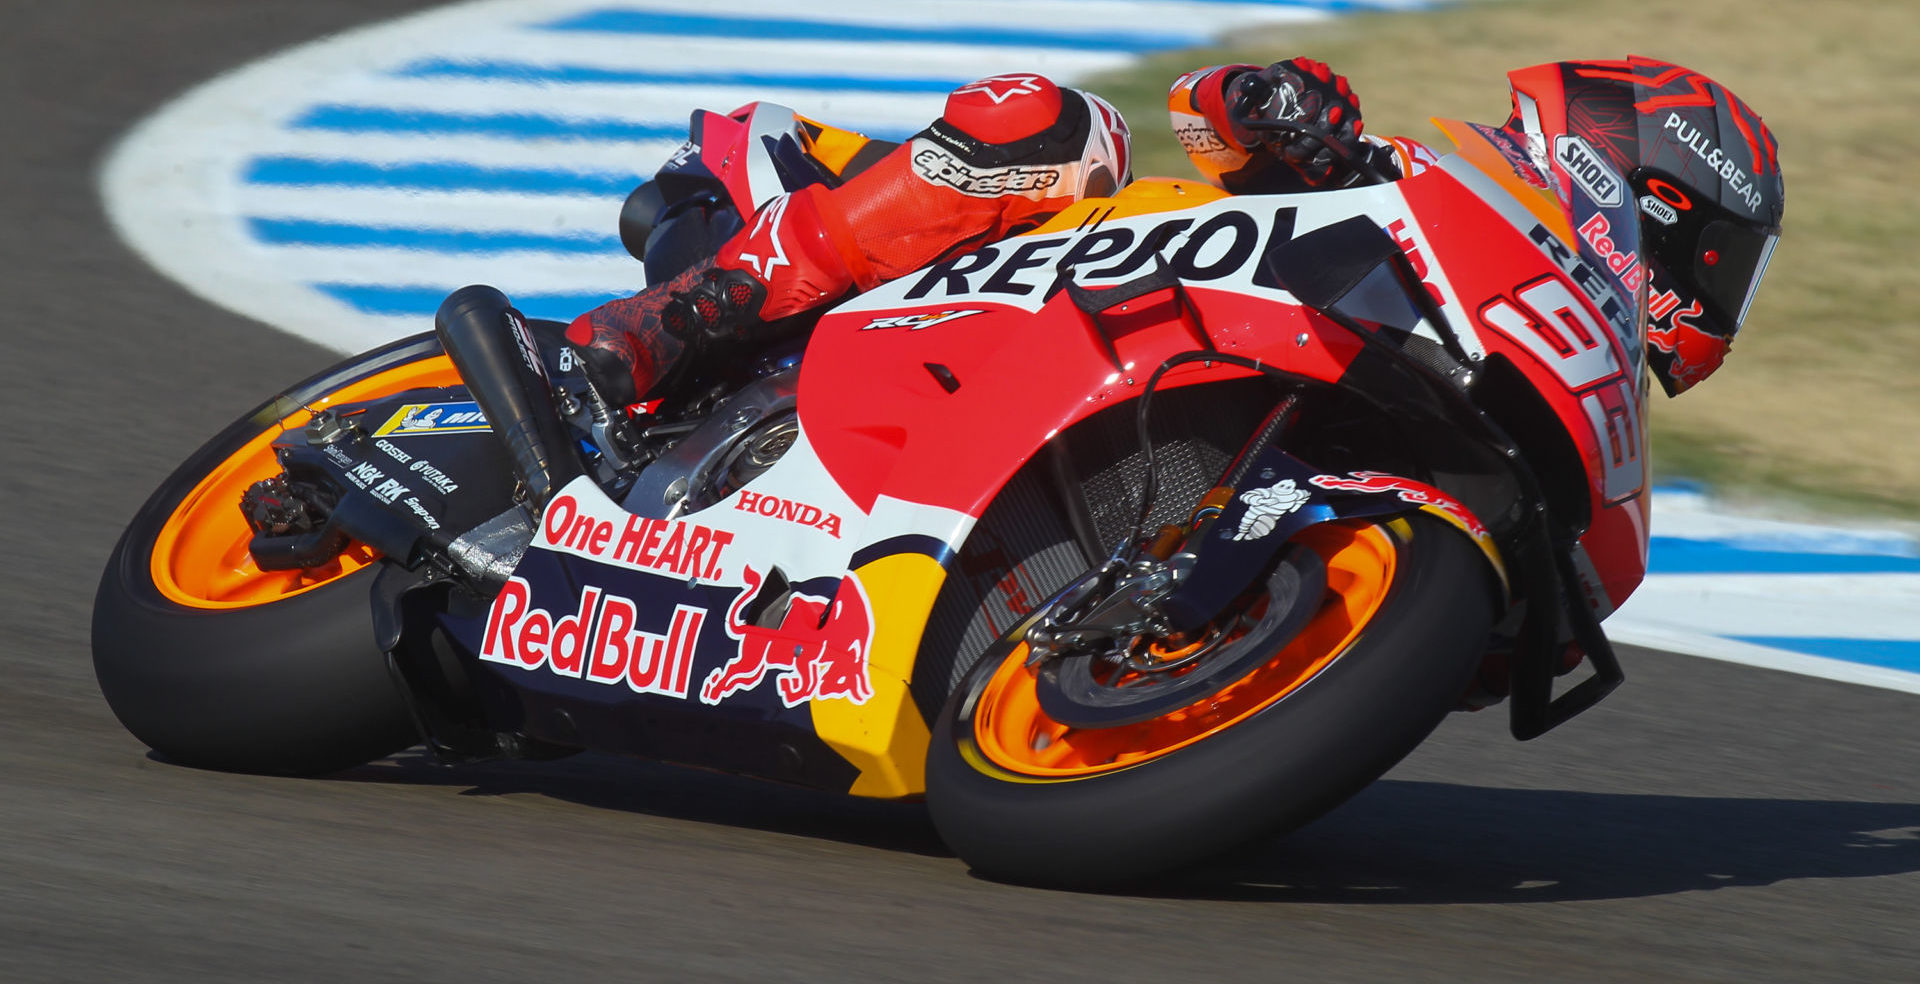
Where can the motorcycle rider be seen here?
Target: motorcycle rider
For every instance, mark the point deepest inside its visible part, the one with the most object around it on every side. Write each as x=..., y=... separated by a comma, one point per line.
x=1008, y=153
x=1011, y=151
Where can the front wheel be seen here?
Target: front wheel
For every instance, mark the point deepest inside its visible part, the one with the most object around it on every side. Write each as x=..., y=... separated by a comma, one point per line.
x=1390, y=645
x=215, y=663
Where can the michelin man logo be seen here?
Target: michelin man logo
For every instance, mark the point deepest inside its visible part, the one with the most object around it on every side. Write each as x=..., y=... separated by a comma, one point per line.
x=1266, y=506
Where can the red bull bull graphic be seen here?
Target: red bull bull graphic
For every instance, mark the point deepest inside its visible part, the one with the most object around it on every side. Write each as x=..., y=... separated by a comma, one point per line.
x=819, y=651
x=600, y=642
x=1418, y=493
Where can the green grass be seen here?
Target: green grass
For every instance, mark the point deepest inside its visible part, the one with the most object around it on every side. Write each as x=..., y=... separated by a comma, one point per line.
x=1820, y=401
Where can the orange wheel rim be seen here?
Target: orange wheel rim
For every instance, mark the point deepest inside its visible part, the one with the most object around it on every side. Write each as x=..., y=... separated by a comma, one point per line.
x=200, y=557
x=1014, y=734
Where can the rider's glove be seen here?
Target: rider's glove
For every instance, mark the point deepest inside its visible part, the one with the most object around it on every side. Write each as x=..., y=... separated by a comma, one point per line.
x=1298, y=90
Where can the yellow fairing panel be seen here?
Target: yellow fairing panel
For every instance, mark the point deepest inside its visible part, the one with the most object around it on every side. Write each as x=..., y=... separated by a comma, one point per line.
x=830, y=145
x=1143, y=197
x=885, y=737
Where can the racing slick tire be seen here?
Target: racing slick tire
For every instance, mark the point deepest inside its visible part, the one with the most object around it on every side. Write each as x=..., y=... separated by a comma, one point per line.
x=1399, y=633
x=216, y=664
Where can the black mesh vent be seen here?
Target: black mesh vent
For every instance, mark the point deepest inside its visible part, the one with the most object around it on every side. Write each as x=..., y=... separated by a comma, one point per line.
x=1020, y=553
x=1196, y=431
x=1023, y=549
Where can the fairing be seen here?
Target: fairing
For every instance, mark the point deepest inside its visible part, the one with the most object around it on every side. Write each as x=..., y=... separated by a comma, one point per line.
x=920, y=399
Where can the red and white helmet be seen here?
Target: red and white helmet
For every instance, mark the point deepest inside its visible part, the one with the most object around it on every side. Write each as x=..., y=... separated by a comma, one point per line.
x=1025, y=121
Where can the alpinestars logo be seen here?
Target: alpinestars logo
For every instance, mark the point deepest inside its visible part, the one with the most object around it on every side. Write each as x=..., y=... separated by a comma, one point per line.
x=1001, y=88
x=774, y=254
x=939, y=167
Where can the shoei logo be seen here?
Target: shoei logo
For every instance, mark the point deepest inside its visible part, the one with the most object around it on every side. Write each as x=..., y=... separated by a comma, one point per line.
x=1588, y=171
x=434, y=418
x=1658, y=210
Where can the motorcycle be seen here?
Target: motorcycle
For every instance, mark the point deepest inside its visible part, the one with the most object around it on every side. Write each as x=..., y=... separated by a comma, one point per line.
x=1169, y=524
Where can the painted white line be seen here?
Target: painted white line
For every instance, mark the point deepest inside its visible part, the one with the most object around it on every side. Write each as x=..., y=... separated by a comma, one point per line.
x=1853, y=606
x=1695, y=516
x=528, y=272
x=176, y=186
x=655, y=105
x=626, y=53
x=603, y=156
x=503, y=211
x=1728, y=650
x=1182, y=19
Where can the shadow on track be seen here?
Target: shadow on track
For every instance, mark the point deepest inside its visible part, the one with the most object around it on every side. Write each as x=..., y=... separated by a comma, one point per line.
x=1420, y=843
x=1407, y=843
x=615, y=783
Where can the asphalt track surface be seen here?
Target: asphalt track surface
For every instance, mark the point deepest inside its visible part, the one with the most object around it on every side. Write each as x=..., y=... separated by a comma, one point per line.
x=1709, y=822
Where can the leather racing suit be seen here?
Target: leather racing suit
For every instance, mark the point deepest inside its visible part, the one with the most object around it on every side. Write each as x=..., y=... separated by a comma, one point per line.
x=1007, y=153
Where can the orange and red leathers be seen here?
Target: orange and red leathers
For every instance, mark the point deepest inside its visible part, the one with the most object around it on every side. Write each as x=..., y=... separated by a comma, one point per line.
x=1009, y=152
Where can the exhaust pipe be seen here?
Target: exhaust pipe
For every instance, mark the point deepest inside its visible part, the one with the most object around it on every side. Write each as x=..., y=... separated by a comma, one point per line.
x=492, y=347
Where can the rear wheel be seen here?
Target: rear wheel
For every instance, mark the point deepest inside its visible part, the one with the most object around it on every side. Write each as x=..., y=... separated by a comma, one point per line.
x=215, y=663
x=1314, y=708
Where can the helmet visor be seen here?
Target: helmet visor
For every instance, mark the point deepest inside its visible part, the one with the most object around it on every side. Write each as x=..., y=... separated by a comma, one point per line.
x=1731, y=261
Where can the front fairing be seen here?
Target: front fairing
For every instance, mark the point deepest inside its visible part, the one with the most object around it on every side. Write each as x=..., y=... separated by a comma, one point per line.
x=917, y=402
x=1575, y=325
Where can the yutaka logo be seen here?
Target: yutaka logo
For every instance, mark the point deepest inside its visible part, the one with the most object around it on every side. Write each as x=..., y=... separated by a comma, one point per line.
x=1587, y=170
x=819, y=652
x=1417, y=493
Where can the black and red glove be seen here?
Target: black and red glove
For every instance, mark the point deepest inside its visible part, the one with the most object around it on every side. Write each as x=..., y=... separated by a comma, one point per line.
x=1301, y=91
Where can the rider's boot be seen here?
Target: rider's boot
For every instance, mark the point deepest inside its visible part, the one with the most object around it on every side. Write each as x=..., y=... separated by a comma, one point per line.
x=628, y=346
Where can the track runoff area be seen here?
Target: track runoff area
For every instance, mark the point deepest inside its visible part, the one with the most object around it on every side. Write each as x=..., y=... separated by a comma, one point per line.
x=340, y=189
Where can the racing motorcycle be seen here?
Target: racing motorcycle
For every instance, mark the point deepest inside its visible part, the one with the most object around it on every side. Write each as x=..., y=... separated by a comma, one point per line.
x=1166, y=525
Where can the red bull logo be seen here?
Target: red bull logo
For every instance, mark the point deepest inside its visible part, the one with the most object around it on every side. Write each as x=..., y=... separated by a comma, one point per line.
x=819, y=651
x=600, y=641
x=1418, y=493
x=1694, y=354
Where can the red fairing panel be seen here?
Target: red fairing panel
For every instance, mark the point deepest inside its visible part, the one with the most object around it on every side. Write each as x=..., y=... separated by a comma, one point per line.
x=1021, y=380
x=1533, y=301
x=1024, y=366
